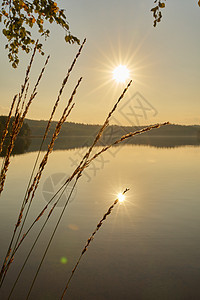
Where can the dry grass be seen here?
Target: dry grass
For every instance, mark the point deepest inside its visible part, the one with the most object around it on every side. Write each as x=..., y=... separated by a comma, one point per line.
x=90, y=240
x=31, y=189
x=5, y=132
x=21, y=111
x=78, y=175
x=18, y=119
x=62, y=87
x=31, y=192
x=36, y=180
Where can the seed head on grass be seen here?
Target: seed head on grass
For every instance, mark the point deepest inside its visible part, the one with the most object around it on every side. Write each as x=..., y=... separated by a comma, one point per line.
x=90, y=240
x=20, y=115
x=62, y=88
x=37, y=177
x=18, y=120
x=33, y=187
x=84, y=162
x=78, y=172
x=125, y=137
x=29, y=189
x=5, y=132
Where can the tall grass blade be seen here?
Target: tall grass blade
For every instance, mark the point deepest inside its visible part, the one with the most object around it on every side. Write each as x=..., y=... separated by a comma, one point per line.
x=36, y=180
x=51, y=238
x=5, y=132
x=90, y=240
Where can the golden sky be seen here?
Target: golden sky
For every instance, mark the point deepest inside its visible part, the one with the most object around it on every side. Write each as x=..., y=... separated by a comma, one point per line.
x=164, y=63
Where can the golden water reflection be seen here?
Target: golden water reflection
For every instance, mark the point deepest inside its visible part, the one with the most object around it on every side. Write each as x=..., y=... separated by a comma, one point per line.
x=148, y=248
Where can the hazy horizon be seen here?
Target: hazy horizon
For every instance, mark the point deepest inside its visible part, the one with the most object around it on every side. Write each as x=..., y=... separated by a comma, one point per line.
x=46, y=120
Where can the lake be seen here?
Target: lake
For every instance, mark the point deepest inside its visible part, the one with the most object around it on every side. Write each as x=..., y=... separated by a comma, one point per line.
x=147, y=248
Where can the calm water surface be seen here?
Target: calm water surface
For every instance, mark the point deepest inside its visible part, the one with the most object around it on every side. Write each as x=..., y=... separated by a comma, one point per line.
x=148, y=248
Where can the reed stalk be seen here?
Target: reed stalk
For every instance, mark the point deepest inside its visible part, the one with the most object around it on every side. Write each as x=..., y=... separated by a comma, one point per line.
x=28, y=70
x=33, y=246
x=37, y=178
x=79, y=174
x=86, y=165
x=48, y=125
x=125, y=137
x=5, y=132
x=16, y=126
x=25, y=96
x=89, y=241
x=6, y=161
x=83, y=164
x=46, y=132
x=18, y=121
x=26, y=79
x=33, y=187
x=51, y=238
x=62, y=87
x=104, y=126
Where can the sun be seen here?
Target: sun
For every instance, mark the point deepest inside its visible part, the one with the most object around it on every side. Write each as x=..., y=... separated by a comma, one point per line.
x=121, y=73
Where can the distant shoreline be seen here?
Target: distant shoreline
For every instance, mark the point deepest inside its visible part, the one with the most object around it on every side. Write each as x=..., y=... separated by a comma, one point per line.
x=70, y=129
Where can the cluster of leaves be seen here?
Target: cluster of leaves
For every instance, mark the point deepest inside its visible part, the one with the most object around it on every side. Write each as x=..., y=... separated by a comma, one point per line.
x=18, y=16
x=157, y=14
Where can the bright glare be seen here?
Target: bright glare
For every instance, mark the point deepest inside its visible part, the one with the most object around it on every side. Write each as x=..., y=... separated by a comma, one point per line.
x=121, y=197
x=121, y=73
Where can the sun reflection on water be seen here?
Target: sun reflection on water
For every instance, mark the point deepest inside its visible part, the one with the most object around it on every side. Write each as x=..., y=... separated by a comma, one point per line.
x=121, y=197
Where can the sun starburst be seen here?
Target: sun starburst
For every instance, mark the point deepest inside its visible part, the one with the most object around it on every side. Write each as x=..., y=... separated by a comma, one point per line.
x=121, y=73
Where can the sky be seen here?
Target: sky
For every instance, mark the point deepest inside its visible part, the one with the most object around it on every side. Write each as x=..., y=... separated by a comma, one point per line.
x=164, y=64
